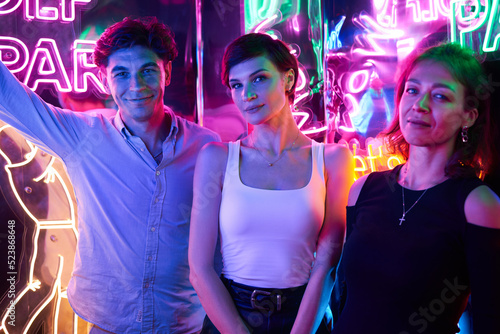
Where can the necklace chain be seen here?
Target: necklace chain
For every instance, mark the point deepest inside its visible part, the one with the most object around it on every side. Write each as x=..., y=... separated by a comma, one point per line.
x=402, y=219
x=271, y=163
x=405, y=212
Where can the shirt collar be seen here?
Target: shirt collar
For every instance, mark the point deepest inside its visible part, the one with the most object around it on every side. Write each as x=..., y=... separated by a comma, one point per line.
x=174, y=126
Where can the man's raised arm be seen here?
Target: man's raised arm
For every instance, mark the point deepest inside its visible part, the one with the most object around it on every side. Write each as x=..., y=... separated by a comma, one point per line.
x=55, y=130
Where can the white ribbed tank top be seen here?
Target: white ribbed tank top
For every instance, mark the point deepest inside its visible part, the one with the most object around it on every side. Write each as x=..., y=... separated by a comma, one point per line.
x=269, y=237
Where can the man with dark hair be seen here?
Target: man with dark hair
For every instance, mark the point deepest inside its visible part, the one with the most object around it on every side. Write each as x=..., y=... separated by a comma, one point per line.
x=132, y=174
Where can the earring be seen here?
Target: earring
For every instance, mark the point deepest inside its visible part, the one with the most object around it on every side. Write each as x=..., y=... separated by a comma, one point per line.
x=465, y=137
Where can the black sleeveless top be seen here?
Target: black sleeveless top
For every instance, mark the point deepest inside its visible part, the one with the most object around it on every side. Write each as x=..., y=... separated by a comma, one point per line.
x=416, y=277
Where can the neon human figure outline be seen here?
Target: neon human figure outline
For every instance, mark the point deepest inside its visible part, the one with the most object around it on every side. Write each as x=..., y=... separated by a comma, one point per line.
x=49, y=175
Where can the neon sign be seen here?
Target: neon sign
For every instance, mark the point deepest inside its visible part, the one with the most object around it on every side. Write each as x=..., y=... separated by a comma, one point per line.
x=45, y=64
x=437, y=9
x=49, y=67
x=83, y=68
x=473, y=17
x=373, y=159
x=334, y=41
x=10, y=54
x=358, y=81
x=389, y=14
x=464, y=17
x=377, y=34
x=32, y=9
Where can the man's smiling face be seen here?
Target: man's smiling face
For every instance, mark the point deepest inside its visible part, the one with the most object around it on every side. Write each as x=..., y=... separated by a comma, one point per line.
x=136, y=78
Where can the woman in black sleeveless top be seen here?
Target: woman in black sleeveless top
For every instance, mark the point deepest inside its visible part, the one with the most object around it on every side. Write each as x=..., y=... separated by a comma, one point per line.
x=424, y=236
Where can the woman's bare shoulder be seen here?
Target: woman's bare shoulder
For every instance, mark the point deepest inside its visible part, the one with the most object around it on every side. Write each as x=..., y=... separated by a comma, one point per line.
x=355, y=190
x=482, y=207
x=213, y=156
x=337, y=156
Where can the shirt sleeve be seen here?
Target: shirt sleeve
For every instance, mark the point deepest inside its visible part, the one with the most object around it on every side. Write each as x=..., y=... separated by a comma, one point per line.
x=54, y=130
x=482, y=246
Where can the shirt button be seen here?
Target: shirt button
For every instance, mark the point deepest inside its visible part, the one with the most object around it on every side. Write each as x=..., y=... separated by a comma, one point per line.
x=150, y=258
x=152, y=229
x=158, y=173
x=156, y=200
x=142, y=150
x=146, y=285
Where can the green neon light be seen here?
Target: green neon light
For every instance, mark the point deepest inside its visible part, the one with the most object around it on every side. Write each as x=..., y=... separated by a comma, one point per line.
x=314, y=13
x=453, y=21
x=267, y=9
x=471, y=17
x=492, y=24
x=491, y=15
x=257, y=11
x=250, y=14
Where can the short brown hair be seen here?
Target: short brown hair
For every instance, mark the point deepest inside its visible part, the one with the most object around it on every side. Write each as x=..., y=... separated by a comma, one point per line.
x=146, y=31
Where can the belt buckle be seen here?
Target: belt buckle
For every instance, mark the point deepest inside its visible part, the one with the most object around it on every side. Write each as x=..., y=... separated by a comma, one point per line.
x=256, y=293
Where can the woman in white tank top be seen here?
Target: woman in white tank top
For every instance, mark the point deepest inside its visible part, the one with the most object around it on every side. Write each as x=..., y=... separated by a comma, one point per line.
x=277, y=200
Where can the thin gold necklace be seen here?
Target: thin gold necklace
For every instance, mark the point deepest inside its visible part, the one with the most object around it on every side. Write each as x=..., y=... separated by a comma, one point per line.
x=271, y=163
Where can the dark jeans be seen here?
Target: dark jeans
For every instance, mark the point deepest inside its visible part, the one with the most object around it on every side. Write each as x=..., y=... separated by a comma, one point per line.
x=272, y=311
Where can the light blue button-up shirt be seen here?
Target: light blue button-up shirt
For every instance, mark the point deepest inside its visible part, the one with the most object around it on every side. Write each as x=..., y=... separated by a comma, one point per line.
x=131, y=272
